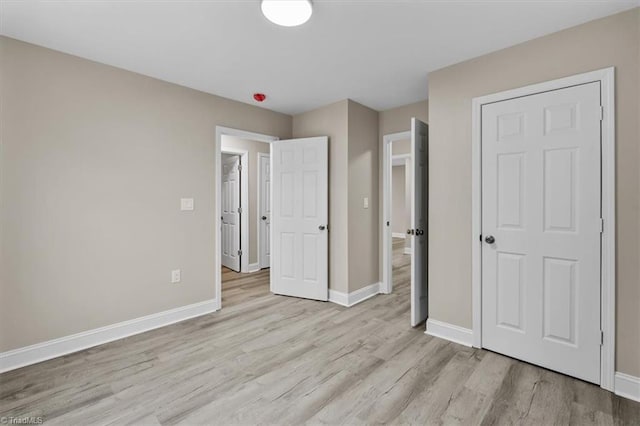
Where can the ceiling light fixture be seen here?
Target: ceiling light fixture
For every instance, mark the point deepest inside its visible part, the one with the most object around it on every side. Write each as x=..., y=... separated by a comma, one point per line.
x=288, y=13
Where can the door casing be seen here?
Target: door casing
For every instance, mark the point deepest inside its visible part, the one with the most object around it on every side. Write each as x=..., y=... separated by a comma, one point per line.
x=606, y=78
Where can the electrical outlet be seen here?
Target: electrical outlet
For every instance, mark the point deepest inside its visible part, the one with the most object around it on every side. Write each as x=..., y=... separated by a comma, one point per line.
x=186, y=204
x=175, y=276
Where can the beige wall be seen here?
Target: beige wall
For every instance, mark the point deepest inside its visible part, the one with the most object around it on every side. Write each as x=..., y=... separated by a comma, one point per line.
x=254, y=147
x=612, y=41
x=94, y=161
x=399, y=119
x=353, y=157
x=331, y=121
x=401, y=147
x=363, y=182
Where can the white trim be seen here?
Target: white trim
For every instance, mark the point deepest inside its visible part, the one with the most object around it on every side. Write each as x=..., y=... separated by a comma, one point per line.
x=261, y=155
x=339, y=297
x=254, y=267
x=627, y=386
x=217, y=159
x=387, y=248
x=39, y=352
x=450, y=332
x=408, y=250
x=606, y=77
x=608, y=242
x=355, y=297
x=245, y=237
x=399, y=235
x=400, y=159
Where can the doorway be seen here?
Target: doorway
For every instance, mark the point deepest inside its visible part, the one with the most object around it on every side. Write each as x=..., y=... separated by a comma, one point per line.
x=543, y=223
x=405, y=170
x=242, y=267
x=398, y=145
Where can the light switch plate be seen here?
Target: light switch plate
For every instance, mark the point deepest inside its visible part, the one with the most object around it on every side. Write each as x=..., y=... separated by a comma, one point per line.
x=366, y=202
x=175, y=276
x=186, y=204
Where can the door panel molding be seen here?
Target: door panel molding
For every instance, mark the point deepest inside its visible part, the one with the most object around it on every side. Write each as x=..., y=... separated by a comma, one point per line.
x=606, y=78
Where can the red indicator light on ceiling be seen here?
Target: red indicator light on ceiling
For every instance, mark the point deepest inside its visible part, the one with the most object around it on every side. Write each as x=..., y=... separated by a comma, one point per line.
x=259, y=97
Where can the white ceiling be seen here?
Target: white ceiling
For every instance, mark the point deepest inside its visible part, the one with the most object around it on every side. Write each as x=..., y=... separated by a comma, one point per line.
x=375, y=52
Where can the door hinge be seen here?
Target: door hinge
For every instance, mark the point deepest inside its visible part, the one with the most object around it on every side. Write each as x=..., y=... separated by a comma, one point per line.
x=239, y=252
x=239, y=166
x=239, y=209
x=601, y=113
x=601, y=337
x=601, y=225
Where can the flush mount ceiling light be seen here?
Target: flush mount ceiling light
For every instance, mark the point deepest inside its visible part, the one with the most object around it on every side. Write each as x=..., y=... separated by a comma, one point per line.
x=288, y=13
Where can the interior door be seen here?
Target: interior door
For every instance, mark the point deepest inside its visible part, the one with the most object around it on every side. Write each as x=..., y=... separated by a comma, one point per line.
x=541, y=229
x=231, y=212
x=419, y=204
x=265, y=210
x=299, y=219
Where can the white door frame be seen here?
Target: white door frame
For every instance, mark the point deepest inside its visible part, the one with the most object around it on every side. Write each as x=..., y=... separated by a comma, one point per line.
x=261, y=155
x=244, y=203
x=606, y=78
x=387, y=239
x=220, y=131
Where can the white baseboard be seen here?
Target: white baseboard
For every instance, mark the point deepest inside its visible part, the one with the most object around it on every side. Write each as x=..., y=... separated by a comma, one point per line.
x=353, y=298
x=39, y=352
x=453, y=333
x=627, y=386
x=399, y=235
x=254, y=267
x=408, y=250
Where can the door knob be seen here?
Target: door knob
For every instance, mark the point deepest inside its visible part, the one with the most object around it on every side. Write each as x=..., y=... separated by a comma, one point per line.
x=321, y=227
x=489, y=239
x=264, y=218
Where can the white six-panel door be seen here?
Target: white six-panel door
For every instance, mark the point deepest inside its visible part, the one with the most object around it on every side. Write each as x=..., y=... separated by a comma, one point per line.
x=541, y=229
x=230, y=197
x=264, y=210
x=299, y=218
x=419, y=203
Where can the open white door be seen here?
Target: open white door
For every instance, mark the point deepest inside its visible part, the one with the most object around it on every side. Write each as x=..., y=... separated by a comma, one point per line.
x=419, y=202
x=264, y=207
x=299, y=217
x=231, y=213
x=541, y=226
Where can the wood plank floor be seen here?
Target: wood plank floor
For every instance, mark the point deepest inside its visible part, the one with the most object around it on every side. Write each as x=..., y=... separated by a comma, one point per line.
x=277, y=360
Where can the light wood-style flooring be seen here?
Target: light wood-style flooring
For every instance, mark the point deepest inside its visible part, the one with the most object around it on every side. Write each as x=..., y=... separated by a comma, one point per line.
x=268, y=359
